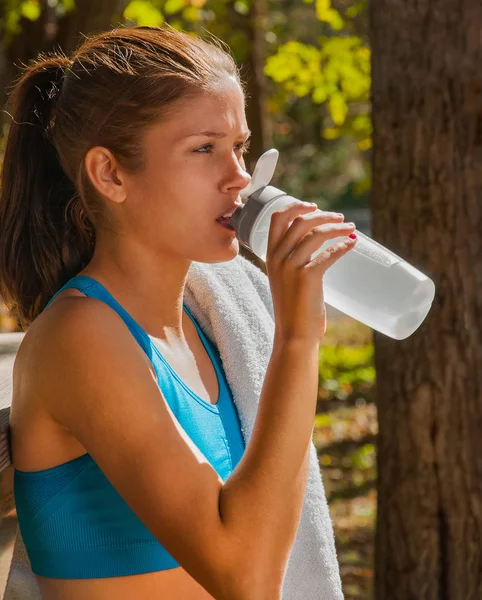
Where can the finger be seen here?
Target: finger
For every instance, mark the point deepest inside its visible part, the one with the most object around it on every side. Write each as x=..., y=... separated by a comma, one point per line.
x=280, y=222
x=332, y=216
x=325, y=259
x=299, y=247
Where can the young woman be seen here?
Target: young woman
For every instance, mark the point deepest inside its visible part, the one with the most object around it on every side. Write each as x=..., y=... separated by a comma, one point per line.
x=118, y=163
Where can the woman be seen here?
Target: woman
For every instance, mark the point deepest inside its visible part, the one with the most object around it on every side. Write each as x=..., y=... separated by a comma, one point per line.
x=132, y=479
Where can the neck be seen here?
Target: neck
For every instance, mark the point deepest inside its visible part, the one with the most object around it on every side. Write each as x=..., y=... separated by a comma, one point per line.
x=149, y=287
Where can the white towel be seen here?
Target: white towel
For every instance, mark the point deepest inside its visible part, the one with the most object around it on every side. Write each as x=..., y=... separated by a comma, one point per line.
x=232, y=302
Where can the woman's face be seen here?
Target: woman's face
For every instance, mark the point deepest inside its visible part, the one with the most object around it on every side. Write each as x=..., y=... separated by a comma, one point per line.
x=194, y=173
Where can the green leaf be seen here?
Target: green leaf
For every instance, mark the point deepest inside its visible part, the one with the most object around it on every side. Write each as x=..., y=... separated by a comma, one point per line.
x=356, y=8
x=143, y=13
x=241, y=7
x=331, y=133
x=69, y=5
x=173, y=6
x=364, y=457
x=323, y=420
x=191, y=14
x=30, y=9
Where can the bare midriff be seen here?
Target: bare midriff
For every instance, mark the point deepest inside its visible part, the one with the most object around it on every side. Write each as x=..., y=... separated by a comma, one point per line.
x=173, y=584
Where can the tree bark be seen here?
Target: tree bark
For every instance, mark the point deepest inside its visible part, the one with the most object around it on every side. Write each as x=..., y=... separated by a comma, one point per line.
x=426, y=201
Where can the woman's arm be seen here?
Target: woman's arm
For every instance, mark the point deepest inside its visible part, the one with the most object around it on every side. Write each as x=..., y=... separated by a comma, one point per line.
x=233, y=538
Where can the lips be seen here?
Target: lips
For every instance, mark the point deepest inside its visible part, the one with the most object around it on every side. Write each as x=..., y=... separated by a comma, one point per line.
x=229, y=212
x=225, y=223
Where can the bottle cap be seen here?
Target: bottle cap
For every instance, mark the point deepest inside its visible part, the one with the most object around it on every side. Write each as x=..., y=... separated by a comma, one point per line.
x=263, y=173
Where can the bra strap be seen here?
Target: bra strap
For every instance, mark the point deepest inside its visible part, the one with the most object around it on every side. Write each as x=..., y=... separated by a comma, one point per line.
x=93, y=289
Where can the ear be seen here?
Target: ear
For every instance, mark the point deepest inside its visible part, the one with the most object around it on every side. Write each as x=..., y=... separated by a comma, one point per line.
x=104, y=172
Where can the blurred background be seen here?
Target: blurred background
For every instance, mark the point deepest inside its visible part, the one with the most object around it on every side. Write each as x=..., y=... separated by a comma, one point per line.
x=308, y=65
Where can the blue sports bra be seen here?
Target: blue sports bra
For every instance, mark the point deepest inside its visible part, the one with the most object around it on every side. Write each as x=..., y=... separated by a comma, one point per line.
x=73, y=522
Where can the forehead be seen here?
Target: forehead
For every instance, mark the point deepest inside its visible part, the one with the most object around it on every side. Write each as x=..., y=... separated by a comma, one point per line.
x=221, y=110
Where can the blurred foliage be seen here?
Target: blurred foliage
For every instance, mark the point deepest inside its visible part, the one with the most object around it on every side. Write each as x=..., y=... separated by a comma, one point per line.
x=319, y=96
x=317, y=64
x=343, y=368
x=322, y=103
x=15, y=10
x=346, y=367
x=338, y=72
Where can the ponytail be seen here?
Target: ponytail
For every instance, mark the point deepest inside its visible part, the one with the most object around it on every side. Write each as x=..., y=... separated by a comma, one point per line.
x=119, y=84
x=45, y=237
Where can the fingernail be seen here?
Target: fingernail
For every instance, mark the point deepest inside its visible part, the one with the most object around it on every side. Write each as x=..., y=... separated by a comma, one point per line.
x=352, y=236
x=313, y=204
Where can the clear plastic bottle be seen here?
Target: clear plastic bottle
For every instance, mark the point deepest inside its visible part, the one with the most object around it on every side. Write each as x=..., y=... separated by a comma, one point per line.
x=369, y=283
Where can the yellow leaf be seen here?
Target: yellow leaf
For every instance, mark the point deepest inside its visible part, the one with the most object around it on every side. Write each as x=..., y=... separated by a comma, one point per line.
x=331, y=133
x=327, y=14
x=31, y=10
x=338, y=108
x=143, y=13
x=334, y=20
x=69, y=5
x=319, y=94
x=322, y=8
x=174, y=6
x=191, y=13
x=365, y=144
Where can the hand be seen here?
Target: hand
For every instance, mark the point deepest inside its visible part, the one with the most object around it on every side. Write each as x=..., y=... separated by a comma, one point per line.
x=296, y=281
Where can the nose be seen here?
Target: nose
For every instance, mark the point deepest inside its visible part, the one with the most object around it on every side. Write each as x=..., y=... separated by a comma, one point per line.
x=238, y=178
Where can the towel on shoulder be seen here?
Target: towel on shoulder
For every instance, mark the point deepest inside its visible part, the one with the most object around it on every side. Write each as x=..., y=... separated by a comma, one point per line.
x=232, y=302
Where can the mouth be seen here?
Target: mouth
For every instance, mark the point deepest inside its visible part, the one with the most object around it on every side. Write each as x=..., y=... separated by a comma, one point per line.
x=225, y=222
x=226, y=216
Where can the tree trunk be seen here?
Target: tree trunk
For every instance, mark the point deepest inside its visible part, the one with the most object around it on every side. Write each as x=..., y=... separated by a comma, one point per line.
x=427, y=186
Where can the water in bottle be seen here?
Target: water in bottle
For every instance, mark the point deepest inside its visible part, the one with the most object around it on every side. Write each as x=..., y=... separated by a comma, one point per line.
x=369, y=283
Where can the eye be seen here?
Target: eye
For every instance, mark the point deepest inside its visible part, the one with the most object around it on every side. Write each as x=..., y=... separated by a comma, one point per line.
x=208, y=148
x=209, y=151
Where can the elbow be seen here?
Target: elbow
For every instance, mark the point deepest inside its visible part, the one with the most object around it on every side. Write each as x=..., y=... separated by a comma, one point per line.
x=251, y=590
x=248, y=581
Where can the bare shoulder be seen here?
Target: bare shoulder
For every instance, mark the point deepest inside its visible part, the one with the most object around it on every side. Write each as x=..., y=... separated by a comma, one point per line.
x=74, y=331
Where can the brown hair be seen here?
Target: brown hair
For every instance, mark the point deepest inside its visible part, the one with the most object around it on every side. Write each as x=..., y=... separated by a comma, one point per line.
x=108, y=93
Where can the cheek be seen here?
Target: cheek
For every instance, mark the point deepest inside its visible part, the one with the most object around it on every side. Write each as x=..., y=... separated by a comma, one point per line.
x=174, y=208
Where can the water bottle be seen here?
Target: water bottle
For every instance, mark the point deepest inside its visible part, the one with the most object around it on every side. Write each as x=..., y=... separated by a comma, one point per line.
x=370, y=283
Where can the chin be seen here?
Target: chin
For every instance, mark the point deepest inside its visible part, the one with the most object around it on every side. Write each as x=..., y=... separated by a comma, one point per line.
x=224, y=254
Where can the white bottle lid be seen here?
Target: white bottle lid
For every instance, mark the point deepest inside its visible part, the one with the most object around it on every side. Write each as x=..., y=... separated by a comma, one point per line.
x=263, y=173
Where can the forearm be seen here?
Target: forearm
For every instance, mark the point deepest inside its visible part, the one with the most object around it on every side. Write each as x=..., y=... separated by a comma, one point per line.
x=261, y=502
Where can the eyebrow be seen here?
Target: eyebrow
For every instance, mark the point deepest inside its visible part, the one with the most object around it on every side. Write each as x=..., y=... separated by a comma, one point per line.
x=214, y=134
